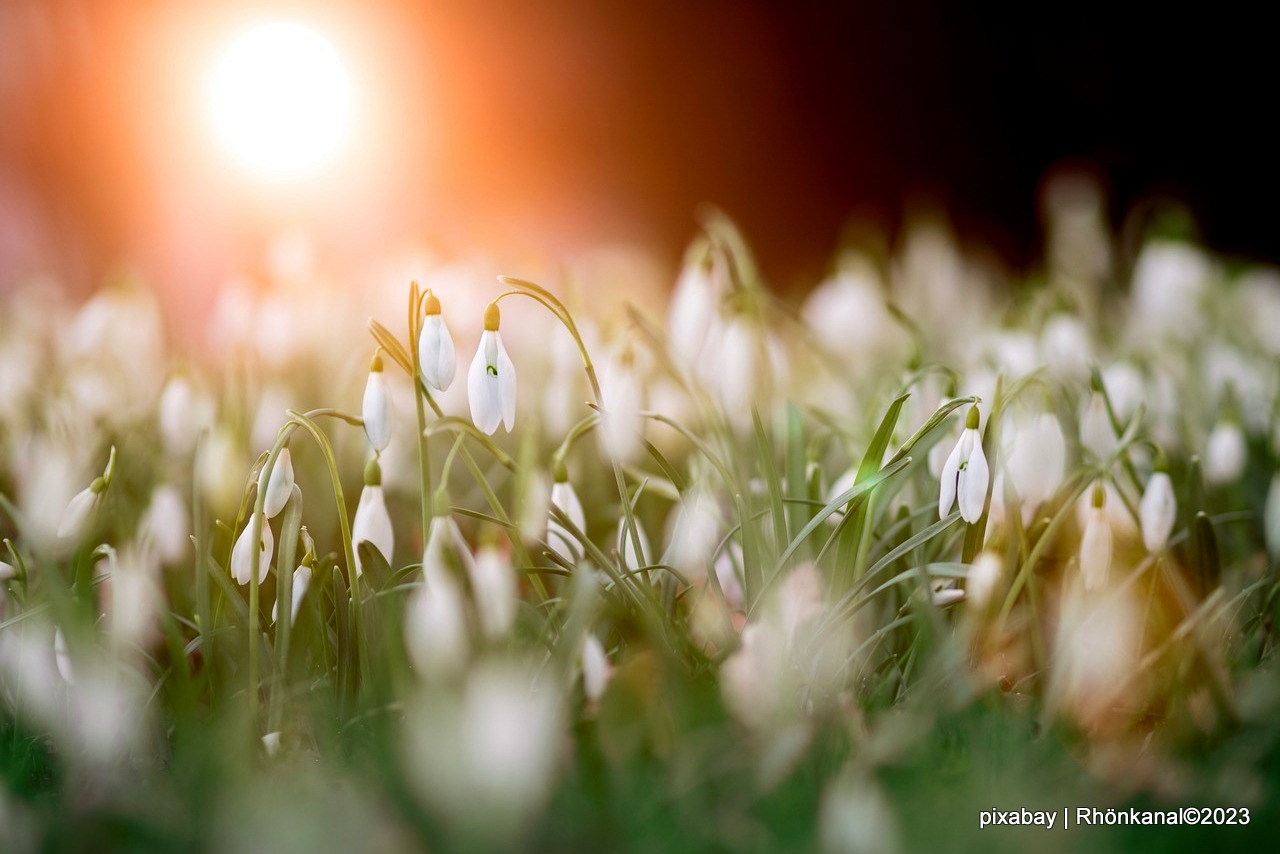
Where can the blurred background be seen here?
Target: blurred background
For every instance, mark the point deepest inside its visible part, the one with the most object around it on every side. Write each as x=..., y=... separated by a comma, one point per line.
x=541, y=129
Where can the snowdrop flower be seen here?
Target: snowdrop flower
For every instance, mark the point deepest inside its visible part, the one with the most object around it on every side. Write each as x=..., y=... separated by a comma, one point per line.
x=493, y=582
x=491, y=382
x=742, y=371
x=847, y=314
x=79, y=512
x=377, y=407
x=595, y=668
x=1036, y=462
x=1095, y=545
x=1169, y=282
x=301, y=582
x=565, y=499
x=279, y=486
x=620, y=422
x=1157, y=511
x=8, y=572
x=372, y=523
x=1225, y=453
x=436, y=357
x=435, y=628
x=164, y=525
x=984, y=574
x=693, y=306
x=1096, y=433
x=694, y=534
x=182, y=413
x=484, y=758
x=242, y=553
x=76, y=518
x=1065, y=346
x=966, y=475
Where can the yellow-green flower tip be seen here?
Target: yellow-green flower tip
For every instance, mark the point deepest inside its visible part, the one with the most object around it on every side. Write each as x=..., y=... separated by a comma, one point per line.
x=491, y=317
x=431, y=305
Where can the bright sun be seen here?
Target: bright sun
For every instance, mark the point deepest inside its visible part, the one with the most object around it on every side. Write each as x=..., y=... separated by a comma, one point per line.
x=281, y=100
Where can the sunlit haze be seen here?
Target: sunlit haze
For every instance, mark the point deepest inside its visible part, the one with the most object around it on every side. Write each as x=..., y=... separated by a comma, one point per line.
x=281, y=100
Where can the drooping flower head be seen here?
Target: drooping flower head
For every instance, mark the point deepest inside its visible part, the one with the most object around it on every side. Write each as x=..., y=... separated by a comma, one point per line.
x=377, y=407
x=279, y=486
x=966, y=474
x=436, y=355
x=1095, y=545
x=372, y=523
x=491, y=382
x=1158, y=510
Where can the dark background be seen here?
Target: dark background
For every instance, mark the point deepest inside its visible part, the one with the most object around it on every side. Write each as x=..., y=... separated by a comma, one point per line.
x=563, y=125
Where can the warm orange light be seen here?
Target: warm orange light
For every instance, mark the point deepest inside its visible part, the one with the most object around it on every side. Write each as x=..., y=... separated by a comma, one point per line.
x=281, y=100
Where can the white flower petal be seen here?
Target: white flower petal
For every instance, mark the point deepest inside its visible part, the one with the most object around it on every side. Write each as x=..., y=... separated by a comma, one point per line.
x=482, y=385
x=948, y=481
x=76, y=518
x=973, y=481
x=372, y=524
x=377, y=412
x=242, y=554
x=1158, y=510
x=506, y=385
x=279, y=487
x=1095, y=549
x=436, y=354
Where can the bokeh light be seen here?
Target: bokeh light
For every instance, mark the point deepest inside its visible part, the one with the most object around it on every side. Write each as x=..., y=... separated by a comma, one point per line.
x=281, y=100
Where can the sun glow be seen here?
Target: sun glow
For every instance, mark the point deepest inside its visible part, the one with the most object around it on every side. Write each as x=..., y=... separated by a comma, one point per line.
x=281, y=100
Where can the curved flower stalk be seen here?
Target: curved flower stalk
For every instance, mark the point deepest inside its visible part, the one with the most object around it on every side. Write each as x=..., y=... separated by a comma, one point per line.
x=279, y=486
x=965, y=476
x=377, y=407
x=436, y=357
x=372, y=523
x=1157, y=511
x=491, y=382
x=1095, y=545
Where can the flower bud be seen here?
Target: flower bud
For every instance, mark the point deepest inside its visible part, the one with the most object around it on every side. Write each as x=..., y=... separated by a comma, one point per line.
x=242, y=554
x=279, y=486
x=1158, y=510
x=377, y=407
x=436, y=356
